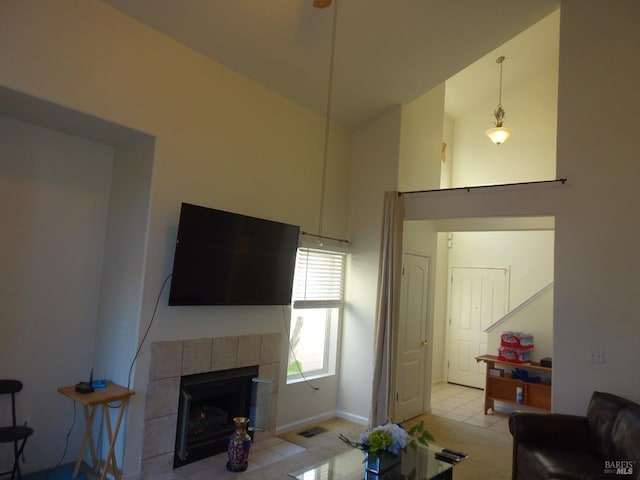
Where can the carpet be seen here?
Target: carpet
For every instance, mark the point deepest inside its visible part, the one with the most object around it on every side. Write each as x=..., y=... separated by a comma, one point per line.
x=63, y=472
x=490, y=451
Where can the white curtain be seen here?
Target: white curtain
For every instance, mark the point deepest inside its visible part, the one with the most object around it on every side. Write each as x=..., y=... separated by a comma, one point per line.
x=388, y=306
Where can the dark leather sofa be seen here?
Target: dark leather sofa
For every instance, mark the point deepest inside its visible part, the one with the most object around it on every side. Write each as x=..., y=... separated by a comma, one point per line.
x=604, y=444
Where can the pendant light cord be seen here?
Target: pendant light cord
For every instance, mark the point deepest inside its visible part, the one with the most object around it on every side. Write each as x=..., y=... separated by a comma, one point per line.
x=500, y=91
x=328, y=118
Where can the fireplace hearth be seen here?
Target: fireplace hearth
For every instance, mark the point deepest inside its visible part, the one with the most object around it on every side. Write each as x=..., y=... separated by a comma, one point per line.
x=208, y=403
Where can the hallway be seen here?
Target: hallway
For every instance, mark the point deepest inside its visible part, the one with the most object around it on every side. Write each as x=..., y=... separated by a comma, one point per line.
x=466, y=404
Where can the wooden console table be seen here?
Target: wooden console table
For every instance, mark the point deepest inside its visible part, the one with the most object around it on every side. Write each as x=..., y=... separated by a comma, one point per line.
x=90, y=401
x=503, y=389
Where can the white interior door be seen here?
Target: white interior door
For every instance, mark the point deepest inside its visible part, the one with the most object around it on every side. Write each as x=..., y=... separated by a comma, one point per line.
x=412, y=346
x=478, y=299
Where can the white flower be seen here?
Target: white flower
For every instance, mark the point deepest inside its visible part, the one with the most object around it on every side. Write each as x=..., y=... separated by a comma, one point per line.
x=399, y=436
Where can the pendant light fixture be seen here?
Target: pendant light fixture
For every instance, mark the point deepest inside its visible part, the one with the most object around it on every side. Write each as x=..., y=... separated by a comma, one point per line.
x=499, y=134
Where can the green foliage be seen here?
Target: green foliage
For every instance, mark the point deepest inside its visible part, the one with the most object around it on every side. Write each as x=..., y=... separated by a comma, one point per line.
x=419, y=434
x=294, y=368
x=379, y=440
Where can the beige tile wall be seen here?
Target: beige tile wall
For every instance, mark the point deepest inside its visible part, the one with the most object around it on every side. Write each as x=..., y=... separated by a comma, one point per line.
x=172, y=359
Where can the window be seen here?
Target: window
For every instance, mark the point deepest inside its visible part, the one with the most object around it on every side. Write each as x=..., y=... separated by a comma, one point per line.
x=317, y=306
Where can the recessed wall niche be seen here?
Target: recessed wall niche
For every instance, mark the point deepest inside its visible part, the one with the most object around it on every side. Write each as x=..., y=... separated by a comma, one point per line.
x=75, y=193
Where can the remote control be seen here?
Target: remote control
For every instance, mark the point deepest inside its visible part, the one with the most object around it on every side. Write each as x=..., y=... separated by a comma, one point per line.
x=454, y=452
x=448, y=457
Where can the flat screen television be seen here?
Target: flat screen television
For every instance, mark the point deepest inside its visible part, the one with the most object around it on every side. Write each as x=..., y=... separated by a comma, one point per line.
x=224, y=258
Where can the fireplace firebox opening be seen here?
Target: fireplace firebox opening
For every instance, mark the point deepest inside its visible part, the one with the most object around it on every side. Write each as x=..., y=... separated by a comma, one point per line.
x=208, y=402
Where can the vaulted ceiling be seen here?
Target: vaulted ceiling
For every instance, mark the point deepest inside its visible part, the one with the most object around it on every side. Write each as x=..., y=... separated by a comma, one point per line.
x=386, y=51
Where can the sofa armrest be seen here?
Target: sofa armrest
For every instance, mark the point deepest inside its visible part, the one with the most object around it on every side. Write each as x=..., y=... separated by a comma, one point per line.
x=550, y=429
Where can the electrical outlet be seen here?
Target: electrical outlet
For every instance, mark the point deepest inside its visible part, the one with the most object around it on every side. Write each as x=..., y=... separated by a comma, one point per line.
x=595, y=356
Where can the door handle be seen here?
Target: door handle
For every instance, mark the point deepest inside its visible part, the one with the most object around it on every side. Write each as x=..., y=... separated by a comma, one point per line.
x=424, y=343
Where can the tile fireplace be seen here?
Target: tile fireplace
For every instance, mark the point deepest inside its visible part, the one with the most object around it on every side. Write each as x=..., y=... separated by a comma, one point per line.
x=210, y=357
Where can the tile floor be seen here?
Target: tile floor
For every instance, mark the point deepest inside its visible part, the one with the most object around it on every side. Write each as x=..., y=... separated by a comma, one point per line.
x=466, y=404
x=262, y=453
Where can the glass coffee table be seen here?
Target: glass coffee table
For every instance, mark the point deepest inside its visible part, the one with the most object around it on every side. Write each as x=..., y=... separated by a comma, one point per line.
x=422, y=464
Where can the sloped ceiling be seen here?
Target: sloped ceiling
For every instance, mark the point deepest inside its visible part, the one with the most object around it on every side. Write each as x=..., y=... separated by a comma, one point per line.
x=387, y=51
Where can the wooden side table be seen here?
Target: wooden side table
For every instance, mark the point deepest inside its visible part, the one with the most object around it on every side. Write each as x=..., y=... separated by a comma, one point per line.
x=101, y=397
x=503, y=389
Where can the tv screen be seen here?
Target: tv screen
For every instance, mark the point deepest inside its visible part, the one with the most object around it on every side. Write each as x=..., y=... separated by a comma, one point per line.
x=224, y=258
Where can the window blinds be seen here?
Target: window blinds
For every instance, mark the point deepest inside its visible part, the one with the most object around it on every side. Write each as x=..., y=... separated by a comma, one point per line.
x=319, y=279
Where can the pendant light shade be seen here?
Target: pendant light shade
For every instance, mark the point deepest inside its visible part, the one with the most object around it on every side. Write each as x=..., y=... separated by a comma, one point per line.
x=499, y=134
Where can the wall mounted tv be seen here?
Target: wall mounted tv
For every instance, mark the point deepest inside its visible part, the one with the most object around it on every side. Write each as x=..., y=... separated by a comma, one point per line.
x=224, y=258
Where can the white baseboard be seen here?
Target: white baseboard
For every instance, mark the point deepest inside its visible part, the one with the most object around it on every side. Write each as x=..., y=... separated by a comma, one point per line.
x=303, y=423
x=352, y=418
x=320, y=418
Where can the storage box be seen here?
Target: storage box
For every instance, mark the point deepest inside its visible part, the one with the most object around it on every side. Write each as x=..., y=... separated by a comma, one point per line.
x=496, y=372
x=520, y=340
x=514, y=355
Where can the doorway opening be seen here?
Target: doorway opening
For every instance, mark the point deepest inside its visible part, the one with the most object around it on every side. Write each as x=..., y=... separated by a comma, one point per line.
x=485, y=275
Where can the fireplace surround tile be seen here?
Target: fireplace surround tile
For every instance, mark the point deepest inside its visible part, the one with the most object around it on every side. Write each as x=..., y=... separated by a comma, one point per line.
x=270, y=348
x=172, y=359
x=197, y=356
x=249, y=350
x=166, y=359
x=224, y=353
x=270, y=370
x=159, y=436
x=162, y=398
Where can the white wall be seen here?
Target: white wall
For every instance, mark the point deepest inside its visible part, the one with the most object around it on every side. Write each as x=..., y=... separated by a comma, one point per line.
x=596, y=289
x=448, y=129
x=528, y=155
x=220, y=140
x=374, y=170
x=421, y=141
x=535, y=316
x=400, y=150
x=54, y=200
x=531, y=112
x=123, y=266
x=527, y=255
